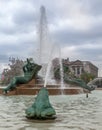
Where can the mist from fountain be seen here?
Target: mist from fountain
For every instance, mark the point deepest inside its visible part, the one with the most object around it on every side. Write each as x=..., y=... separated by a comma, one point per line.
x=43, y=34
x=61, y=70
x=44, y=47
x=48, y=69
x=46, y=50
x=62, y=86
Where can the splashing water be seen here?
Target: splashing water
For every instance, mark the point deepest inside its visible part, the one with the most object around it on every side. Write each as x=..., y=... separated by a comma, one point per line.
x=45, y=45
x=43, y=34
x=48, y=68
x=46, y=50
x=61, y=71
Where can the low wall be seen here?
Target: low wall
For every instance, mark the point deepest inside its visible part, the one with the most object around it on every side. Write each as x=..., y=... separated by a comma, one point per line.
x=55, y=90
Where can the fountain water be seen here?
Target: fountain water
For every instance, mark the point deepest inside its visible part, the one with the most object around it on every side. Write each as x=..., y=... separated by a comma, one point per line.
x=46, y=50
x=61, y=71
x=48, y=68
x=50, y=65
x=70, y=110
x=42, y=34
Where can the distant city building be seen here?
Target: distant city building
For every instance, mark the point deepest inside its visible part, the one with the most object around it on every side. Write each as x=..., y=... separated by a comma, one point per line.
x=78, y=67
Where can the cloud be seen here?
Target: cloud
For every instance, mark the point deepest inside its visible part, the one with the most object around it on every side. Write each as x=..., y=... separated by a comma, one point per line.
x=3, y=57
x=72, y=24
x=24, y=16
x=94, y=7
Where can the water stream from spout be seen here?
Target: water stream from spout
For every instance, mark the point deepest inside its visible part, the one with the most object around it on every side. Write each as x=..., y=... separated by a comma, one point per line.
x=48, y=68
x=46, y=50
x=61, y=69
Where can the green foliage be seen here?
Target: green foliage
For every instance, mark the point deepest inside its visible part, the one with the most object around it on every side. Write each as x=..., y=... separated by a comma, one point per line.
x=57, y=75
x=87, y=77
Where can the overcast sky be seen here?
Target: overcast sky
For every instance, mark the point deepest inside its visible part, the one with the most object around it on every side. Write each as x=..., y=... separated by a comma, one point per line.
x=75, y=25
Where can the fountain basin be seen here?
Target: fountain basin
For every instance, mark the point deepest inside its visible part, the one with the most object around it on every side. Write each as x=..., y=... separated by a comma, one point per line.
x=74, y=112
x=52, y=89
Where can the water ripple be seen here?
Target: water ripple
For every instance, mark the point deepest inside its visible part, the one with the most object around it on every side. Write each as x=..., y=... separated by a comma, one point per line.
x=74, y=112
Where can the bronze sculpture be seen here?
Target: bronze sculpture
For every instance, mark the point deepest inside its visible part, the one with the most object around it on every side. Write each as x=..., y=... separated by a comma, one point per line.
x=70, y=79
x=30, y=71
x=79, y=82
x=41, y=108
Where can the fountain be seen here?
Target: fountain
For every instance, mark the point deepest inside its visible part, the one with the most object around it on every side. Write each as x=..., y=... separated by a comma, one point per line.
x=41, y=108
x=70, y=109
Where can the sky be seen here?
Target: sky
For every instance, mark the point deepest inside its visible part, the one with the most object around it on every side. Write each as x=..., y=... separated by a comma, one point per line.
x=74, y=25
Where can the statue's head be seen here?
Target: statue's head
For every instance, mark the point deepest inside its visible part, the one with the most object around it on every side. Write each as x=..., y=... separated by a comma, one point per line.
x=92, y=86
x=32, y=68
x=27, y=60
x=37, y=67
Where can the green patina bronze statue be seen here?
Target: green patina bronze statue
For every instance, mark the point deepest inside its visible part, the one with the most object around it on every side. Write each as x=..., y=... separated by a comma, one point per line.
x=41, y=108
x=79, y=82
x=70, y=79
x=30, y=71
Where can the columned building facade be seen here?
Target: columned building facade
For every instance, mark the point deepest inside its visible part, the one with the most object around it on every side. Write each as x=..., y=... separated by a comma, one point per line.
x=76, y=67
x=79, y=67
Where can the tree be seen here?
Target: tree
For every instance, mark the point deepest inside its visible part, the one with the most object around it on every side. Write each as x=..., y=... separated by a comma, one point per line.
x=66, y=72
x=15, y=69
x=87, y=77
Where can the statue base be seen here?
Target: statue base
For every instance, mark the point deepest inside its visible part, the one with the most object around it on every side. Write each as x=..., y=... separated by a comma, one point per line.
x=48, y=118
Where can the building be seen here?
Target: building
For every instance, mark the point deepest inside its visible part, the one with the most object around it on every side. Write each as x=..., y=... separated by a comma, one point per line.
x=76, y=67
x=90, y=68
x=79, y=67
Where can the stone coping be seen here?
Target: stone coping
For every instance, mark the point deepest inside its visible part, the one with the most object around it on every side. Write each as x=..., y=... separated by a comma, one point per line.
x=52, y=91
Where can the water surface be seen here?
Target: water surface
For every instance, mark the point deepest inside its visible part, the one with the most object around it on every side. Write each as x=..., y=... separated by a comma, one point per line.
x=74, y=112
